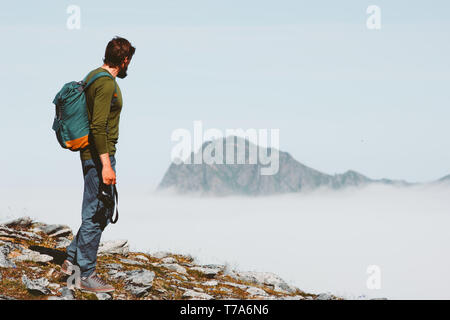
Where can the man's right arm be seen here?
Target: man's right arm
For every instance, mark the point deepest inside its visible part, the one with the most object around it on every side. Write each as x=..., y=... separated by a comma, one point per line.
x=108, y=174
x=102, y=105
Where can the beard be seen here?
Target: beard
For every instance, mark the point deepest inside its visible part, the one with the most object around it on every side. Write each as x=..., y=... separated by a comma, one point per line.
x=122, y=72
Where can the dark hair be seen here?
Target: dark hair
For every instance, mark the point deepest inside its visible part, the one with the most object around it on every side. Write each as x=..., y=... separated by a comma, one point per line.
x=117, y=50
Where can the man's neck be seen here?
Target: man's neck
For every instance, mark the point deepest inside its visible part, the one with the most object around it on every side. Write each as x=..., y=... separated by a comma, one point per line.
x=113, y=71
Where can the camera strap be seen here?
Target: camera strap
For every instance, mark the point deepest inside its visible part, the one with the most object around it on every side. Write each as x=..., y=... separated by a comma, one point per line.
x=116, y=196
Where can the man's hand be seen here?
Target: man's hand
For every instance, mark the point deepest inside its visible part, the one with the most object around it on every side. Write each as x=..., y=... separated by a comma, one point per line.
x=108, y=174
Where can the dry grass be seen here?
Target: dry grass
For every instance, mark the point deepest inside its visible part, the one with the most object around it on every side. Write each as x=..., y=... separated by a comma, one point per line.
x=167, y=284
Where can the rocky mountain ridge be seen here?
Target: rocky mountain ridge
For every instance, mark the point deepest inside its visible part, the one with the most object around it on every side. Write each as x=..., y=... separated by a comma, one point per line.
x=245, y=179
x=31, y=254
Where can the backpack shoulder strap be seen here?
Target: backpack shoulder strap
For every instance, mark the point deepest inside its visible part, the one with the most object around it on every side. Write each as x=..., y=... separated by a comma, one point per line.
x=95, y=77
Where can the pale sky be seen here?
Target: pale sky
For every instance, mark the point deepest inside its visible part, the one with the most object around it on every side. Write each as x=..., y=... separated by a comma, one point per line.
x=344, y=97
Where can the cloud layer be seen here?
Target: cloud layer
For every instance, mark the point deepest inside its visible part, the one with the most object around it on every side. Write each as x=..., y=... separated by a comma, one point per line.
x=321, y=241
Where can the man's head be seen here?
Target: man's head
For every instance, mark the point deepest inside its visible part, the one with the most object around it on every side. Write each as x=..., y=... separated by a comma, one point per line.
x=118, y=54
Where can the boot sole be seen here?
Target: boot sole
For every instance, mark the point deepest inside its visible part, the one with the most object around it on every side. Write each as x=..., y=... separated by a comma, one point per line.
x=96, y=291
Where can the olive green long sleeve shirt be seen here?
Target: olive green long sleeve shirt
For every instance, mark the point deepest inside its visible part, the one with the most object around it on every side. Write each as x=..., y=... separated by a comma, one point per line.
x=104, y=105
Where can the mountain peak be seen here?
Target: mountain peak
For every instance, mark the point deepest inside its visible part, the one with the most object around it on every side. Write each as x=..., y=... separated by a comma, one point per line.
x=445, y=178
x=245, y=179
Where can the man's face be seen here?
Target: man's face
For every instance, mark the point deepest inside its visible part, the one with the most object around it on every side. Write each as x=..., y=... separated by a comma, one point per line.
x=123, y=69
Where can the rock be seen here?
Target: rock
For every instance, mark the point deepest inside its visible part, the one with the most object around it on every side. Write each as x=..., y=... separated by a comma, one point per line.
x=114, y=266
x=188, y=257
x=61, y=233
x=185, y=264
x=36, y=269
x=103, y=296
x=54, y=286
x=53, y=230
x=169, y=260
x=38, y=286
x=324, y=296
x=228, y=271
x=266, y=278
x=174, y=267
x=133, y=262
x=138, y=292
x=141, y=257
x=214, y=266
x=268, y=297
x=114, y=246
x=254, y=291
x=183, y=277
x=66, y=294
x=141, y=277
x=196, y=295
x=161, y=290
x=207, y=271
x=160, y=254
x=297, y=297
x=63, y=243
x=198, y=289
x=237, y=285
x=139, y=282
x=17, y=234
x=4, y=261
x=10, y=246
x=2, y=297
x=114, y=274
x=211, y=283
x=29, y=255
x=18, y=222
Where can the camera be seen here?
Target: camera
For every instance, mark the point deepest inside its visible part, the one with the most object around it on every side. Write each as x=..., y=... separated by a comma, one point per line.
x=106, y=196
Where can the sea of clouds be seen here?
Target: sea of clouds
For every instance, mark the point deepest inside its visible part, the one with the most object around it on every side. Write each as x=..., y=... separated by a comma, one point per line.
x=323, y=241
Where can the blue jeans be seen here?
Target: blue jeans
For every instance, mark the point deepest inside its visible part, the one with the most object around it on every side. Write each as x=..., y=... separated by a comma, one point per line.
x=95, y=216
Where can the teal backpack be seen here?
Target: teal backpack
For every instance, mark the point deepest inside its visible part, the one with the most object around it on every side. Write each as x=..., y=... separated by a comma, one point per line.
x=71, y=122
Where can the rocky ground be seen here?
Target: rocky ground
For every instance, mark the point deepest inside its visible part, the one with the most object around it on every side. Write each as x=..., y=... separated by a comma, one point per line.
x=31, y=254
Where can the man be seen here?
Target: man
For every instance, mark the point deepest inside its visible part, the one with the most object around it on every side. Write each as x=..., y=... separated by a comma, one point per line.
x=104, y=104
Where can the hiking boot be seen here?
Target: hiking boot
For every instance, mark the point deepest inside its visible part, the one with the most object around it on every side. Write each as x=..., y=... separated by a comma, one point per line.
x=94, y=283
x=67, y=267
